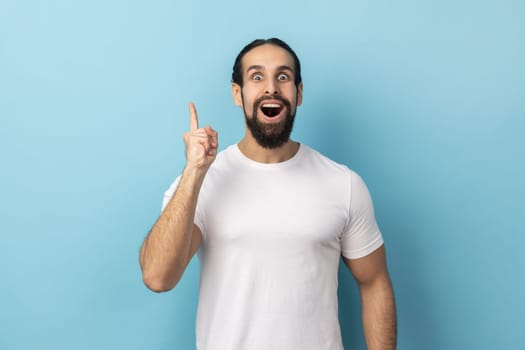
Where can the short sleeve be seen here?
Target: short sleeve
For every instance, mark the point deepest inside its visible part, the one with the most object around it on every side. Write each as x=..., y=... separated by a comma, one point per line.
x=362, y=235
x=169, y=194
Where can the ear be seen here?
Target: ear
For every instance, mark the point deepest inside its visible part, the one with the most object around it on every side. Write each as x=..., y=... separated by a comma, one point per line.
x=300, y=93
x=236, y=94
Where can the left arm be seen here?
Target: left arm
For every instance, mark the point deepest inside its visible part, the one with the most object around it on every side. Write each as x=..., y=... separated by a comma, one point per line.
x=377, y=299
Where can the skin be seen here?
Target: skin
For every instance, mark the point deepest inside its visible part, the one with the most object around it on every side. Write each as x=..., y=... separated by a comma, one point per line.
x=377, y=299
x=174, y=238
x=263, y=70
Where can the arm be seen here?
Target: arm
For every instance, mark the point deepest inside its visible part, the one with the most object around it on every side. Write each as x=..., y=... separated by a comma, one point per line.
x=377, y=300
x=174, y=238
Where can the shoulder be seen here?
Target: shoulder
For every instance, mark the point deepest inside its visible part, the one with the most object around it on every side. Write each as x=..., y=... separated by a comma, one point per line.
x=226, y=154
x=226, y=160
x=325, y=164
x=329, y=170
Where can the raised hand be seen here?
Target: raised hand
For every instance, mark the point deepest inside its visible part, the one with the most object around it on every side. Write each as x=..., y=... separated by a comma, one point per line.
x=201, y=143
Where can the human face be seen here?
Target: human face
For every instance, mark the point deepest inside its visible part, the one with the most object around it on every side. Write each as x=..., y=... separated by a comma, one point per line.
x=268, y=96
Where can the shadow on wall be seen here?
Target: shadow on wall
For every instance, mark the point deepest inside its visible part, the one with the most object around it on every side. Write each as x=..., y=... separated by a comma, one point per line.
x=417, y=329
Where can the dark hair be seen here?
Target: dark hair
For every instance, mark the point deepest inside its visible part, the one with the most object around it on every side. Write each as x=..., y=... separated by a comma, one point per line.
x=237, y=66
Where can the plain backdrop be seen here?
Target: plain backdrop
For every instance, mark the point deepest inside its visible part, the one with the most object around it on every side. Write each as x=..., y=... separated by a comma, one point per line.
x=424, y=99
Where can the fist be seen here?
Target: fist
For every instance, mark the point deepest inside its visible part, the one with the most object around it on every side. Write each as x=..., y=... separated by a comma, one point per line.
x=201, y=143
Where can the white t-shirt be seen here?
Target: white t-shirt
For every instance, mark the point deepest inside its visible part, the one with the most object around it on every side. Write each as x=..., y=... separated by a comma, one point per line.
x=273, y=235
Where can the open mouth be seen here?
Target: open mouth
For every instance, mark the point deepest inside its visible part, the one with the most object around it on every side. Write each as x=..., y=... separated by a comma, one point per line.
x=271, y=110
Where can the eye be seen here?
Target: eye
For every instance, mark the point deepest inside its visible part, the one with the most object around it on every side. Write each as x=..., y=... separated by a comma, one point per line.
x=282, y=77
x=257, y=76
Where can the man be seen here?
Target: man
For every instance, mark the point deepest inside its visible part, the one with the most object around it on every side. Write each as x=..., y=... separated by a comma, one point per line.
x=270, y=218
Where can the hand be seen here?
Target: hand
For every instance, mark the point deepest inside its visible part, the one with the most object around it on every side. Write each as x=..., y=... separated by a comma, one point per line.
x=201, y=143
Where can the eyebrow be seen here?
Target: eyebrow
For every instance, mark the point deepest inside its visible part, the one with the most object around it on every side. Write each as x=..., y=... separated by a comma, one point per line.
x=259, y=67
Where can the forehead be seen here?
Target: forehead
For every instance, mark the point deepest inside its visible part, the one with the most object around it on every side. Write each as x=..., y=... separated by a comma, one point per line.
x=268, y=56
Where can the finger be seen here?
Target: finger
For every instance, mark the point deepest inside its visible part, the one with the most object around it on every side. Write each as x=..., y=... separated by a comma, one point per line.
x=210, y=130
x=205, y=143
x=212, y=134
x=199, y=134
x=212, y=151
x=194, y=120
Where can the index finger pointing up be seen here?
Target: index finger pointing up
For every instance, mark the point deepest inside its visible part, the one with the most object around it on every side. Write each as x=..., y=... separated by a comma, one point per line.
x=194, y=121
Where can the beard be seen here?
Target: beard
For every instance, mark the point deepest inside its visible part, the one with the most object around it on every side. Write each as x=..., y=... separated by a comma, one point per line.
x=270, y=135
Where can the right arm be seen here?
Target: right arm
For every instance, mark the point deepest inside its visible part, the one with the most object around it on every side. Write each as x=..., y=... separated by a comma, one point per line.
x=174, y=238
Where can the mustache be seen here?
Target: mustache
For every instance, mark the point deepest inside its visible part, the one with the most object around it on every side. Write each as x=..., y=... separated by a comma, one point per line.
x=261, y=99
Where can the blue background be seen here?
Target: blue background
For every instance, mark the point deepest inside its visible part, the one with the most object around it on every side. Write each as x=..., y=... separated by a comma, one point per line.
x=425, y=99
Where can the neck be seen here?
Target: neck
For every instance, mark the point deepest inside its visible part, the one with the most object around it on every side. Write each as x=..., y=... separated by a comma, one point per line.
x=252, y=150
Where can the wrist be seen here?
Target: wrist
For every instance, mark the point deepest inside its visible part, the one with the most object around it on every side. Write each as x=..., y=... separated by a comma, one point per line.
x=194, y=174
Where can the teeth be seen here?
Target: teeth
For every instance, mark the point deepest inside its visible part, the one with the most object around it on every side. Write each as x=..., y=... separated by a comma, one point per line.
x=271, y=105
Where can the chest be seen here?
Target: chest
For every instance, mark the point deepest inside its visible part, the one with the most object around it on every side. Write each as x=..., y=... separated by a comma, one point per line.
x=270, y=212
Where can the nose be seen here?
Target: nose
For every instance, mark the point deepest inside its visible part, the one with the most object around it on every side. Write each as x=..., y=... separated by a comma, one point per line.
x=272, y=87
